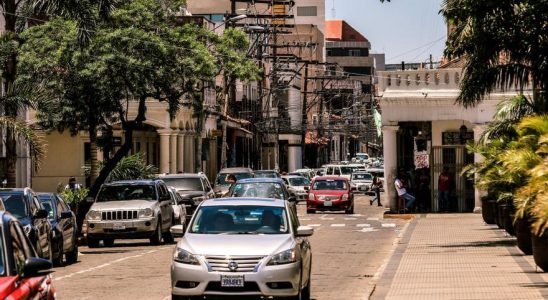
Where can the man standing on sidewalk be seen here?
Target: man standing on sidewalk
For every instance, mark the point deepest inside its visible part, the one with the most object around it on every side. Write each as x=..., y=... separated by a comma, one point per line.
x=402, y=192
x=444, y=189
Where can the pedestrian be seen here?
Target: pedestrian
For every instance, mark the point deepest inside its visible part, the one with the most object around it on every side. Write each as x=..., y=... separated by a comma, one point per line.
x=444, y=189
x=72, y=185
x=230, y=179
x=376, y=186
x=402, y=192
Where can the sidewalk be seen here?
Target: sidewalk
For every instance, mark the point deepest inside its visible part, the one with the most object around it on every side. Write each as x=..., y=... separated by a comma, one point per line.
x=457, y=256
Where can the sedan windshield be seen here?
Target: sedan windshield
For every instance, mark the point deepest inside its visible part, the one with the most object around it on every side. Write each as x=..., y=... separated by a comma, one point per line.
x=241, y=219
x=299, y=181
x=258, y=189
x=185, y=184
x=362, y=176
x=221, y=178
x=330, y=185
x=14, y=204
x=266, y=174
x=126, y=192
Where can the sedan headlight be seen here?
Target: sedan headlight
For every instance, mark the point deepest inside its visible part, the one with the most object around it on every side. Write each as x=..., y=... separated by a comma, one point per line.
x=94, y=215
x=145, y=213
x=284, y=257
x=185, y=257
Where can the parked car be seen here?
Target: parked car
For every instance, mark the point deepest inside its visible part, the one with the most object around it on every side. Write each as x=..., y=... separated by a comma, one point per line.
x=298, y=186
x=22, y=274
x=179, y=208
x=266, y=174
x=138, y=209
x=338, y=170
x=64, y=228
x=308, y=173
x=363, y=181
x=243, y=247
x=192, y=187
x=23, y=204
x=221, y=186
x=330, y=193
x=361, y=157
x=274, y=188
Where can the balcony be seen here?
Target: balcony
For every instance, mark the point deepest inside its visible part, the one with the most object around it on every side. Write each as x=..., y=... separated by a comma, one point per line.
x=413, y=80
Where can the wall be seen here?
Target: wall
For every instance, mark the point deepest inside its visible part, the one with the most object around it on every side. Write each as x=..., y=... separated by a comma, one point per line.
x=64, y=158
x=438, y=127
x=318, y=20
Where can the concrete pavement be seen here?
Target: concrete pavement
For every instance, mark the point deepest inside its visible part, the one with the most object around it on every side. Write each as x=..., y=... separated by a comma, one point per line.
x=457, y=256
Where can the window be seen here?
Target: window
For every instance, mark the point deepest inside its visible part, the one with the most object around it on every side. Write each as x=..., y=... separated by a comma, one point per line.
x=307, y=11
x=354, y=52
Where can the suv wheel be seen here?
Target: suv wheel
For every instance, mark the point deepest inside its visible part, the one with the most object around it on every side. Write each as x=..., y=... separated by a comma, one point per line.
x=168, y=237
x=156, y=238
x=58, y=261
x=72, y=256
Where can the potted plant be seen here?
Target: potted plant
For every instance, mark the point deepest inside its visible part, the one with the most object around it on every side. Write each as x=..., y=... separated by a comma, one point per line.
x=489, y=209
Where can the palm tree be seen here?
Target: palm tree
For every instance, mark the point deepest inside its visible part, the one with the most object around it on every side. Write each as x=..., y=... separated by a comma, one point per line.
x=26, y=134
x=499, y=41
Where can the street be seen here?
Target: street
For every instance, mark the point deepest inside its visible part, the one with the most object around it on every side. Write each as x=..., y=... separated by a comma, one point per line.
x=347, y=252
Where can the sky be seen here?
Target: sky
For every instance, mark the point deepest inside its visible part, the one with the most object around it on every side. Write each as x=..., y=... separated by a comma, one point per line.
x=408, y=30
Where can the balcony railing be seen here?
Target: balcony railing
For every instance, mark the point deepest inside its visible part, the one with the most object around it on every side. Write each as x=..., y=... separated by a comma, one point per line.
x=408, y=80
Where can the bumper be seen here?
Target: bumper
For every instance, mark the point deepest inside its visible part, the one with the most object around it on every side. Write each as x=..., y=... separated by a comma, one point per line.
x=363, y=187
x=122, y=229
x=192, y=280
x=335, y=205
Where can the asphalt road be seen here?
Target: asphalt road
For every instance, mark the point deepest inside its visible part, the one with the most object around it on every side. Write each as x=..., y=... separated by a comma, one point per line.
x=347, y=252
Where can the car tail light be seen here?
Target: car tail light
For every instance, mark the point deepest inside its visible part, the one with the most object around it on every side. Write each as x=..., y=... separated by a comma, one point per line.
x=311, y=196
x=345, y=197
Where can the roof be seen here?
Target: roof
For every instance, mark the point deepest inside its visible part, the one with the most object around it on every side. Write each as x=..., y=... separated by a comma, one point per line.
x=236, y=170
x=180, y=175
x=339, y=30
x=293, y=176
x=245, y=201
x=331, y=178
x=261, y=180
x=126, y=182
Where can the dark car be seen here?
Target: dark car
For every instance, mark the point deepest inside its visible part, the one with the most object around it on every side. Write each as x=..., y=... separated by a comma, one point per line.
x=267, y=174
x=261, y=188
x=64, y=229
x=192, y=187
x=23, y=204
x=22, y=274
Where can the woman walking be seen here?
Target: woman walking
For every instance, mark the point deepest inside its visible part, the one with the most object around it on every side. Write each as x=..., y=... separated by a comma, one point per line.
x=376, y=187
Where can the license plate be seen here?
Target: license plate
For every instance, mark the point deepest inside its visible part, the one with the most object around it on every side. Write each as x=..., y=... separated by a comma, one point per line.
x=118, y=227
x=327, y=203
x=232, y=280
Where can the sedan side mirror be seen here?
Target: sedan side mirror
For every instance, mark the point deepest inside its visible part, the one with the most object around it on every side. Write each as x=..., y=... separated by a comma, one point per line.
x=41, y=214
x=304, y=231
x=66, y=215
x=35, y=266
x=177, y=230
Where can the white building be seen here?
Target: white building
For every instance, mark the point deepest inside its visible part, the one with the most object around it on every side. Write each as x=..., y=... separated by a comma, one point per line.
x=424, y=129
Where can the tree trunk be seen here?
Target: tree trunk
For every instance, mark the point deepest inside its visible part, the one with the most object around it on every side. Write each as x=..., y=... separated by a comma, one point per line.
x=199, y=142
x=94, y=163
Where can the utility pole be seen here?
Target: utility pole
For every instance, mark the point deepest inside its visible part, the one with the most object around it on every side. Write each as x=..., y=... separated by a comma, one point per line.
x=304, y=113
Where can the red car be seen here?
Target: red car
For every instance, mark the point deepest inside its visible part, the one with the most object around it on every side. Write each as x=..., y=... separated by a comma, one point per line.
x=330, y=193
x=22, y=274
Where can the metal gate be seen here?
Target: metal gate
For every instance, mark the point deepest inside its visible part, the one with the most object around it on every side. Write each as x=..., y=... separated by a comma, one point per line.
x=456, y=158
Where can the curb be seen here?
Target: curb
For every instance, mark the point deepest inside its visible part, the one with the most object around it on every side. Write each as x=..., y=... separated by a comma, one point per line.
x=373, y=283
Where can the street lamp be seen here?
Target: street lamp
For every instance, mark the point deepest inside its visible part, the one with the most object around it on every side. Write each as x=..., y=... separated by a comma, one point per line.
x=231, y=20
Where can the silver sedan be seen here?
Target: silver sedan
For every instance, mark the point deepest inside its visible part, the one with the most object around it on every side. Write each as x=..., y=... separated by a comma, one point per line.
x=243, y=247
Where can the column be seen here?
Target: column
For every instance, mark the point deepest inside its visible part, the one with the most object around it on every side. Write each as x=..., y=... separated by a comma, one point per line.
x=478, y=131
x=390, y=152
x=294, y=155
x=181, y=151
x=173, y=152
x=164, y=149
x=189, y=153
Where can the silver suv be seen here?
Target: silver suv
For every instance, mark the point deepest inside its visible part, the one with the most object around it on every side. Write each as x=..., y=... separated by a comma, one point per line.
x=131, y=210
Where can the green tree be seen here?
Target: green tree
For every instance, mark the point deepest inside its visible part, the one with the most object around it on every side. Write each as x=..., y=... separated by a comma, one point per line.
x=504, y=46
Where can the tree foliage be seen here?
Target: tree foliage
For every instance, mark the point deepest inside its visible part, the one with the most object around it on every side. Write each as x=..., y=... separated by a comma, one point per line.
x=504, y=44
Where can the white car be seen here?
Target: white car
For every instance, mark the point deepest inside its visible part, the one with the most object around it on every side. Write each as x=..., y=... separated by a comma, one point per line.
x=178, y=205
x=298, y=186
x=362, y=181
x=243, y=247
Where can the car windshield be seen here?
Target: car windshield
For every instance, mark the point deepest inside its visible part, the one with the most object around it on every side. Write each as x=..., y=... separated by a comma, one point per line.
x=330, y=185
x=266, y=174
x=258, y=189
x=240, y=219
x=48, y=205
x=221, y=178
x=299, y=181
x=15, y=205
x=346, y=170
x=126, y=192
x=362, y=176
x=185, y=184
